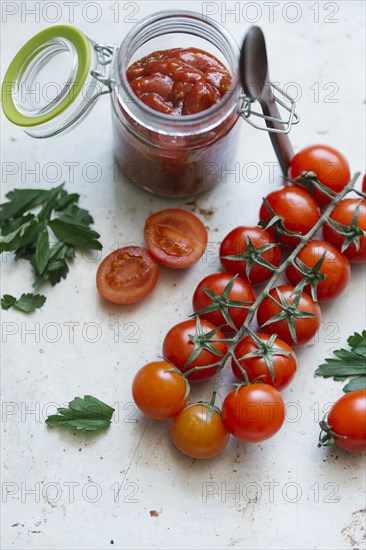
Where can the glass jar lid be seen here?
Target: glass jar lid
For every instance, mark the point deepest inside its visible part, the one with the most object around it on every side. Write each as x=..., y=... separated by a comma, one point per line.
x=54, y=80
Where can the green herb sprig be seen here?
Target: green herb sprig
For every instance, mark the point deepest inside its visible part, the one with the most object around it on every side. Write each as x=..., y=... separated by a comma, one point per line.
x=348, y=363
x=86, y=414
x=47, y=239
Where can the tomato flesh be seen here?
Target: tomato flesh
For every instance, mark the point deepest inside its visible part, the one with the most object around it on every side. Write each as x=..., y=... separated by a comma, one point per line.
x=236, y=243
x=175, y=237
x=347, y=418
x=199, y=434
x=240, y=291
x=298, y=210
x=330, y=166
x=253, y=413
x=158, y=391
x=127, y=275
x=284, y=366
x=335, y=267
x=177, y=348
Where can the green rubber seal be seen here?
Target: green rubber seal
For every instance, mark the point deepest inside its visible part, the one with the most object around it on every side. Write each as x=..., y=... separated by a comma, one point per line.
x=25, y=56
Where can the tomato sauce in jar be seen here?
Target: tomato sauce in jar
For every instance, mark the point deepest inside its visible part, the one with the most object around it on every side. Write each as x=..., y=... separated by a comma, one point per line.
x=179, y=81
x=174, y=111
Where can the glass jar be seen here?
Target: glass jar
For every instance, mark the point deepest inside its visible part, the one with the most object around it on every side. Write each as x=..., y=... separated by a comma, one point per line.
x=170, y=156
x=174, y=156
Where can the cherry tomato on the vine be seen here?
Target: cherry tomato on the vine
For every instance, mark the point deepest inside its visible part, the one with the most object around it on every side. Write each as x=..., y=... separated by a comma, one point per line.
x=364, y=184
x=305, y=328
x=199, y=433
x=347, y=420
x=158, y=391
x=177, y=348
x=127, y=275
x=254, y=412
x=330, y=166
x=175, y=237
x=241, y=291
x=335, y=266
x=296, y=207
x=236, y=243
x=344, y=213
x=284, y=366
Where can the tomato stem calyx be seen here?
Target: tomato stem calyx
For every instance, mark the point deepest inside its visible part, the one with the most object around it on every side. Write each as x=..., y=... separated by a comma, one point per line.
x=327, y=439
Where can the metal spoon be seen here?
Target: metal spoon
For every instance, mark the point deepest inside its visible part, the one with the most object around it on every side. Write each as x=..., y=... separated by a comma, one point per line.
x=256, y=85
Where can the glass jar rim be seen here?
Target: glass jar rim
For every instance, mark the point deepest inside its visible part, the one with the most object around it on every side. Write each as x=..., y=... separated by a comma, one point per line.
x=164, y=123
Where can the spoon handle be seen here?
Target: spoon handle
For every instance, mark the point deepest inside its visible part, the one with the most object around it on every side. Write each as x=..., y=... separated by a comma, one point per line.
x=280, y=142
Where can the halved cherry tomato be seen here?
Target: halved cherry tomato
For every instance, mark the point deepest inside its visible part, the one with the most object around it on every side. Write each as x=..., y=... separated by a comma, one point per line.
x=329, y=165
x=335, y=267
x=236, y=243
x=344, y=213
x=158, y=391
x=298, y=210
x=199, y=434
x=127, y=275
x=253, y=413
x=284, y=366
x=177, y=348
x=216, y=283
x=305, y=328
x=347, y=421
x=175, y=237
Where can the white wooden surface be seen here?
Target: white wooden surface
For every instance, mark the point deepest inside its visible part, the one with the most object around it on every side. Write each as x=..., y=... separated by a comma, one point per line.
x=128, y=487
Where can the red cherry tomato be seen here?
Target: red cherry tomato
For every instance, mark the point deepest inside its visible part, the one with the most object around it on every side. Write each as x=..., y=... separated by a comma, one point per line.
x=175, y=237
x=199, y=434
x=347, y=418
x=240, y=291
x=158, y=391
x=284, y=366
x=329, y=165
x=253, y=413
x=335, y=266
x=127, y=275
x=364, y=184
x=236, y=243
x=344, y=213
x=177, y=348
x=298, y=210
x=305, y=328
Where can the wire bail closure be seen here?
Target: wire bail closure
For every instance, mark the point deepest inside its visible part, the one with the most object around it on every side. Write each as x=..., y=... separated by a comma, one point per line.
x=106, y=54
x=246, y=112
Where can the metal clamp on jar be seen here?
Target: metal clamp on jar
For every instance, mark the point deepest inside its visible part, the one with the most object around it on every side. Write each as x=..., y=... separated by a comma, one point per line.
x=164, y=154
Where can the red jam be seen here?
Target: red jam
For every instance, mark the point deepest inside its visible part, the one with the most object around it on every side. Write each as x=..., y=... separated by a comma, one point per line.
x=179, y=81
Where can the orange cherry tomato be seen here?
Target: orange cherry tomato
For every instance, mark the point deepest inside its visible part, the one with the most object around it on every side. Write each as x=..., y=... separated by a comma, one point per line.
x=158, y=391
x=199, y=434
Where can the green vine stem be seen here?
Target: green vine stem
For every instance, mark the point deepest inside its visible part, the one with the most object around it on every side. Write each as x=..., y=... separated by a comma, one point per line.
x=245, y=328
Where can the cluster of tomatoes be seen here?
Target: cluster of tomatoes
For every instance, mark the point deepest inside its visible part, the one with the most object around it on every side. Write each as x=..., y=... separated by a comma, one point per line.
x=263, y=362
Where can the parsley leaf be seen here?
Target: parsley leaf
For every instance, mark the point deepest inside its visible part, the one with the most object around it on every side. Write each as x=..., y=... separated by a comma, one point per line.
x=85, y=414
x=47, y=239
x=26, y=303
x=348, y=363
